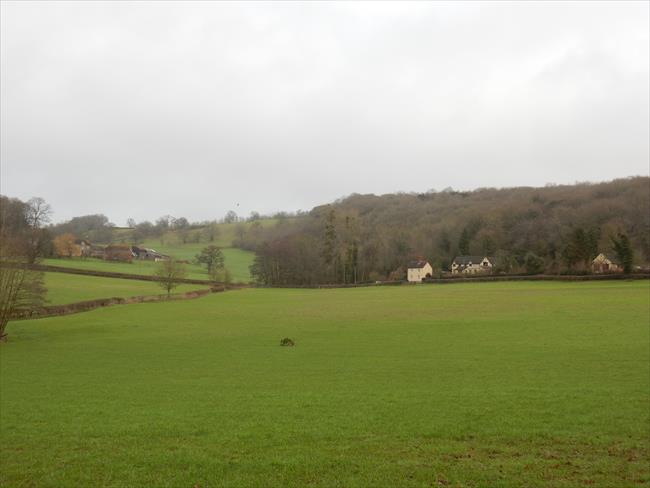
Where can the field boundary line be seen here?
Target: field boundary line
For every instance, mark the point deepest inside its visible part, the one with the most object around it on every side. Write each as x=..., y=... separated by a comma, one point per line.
x=114, y=274
x=87, y=305
x=589, y=277
x=477, y=279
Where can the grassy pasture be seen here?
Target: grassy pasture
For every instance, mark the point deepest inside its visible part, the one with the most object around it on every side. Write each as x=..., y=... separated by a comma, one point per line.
x=146, y=268
x=236, y=260
x=63, y=288
x=227, y=234
x=472, y=385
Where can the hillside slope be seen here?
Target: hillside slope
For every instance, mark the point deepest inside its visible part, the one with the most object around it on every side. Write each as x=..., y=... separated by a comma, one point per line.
x=373, y=237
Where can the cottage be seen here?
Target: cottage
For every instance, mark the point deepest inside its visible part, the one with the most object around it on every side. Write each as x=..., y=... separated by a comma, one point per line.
x=604, y=264
x=418, y=270
x=472, y=264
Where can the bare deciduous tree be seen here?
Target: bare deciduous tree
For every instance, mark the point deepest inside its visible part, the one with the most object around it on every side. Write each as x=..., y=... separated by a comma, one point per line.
x=21, y=289
x=211, y=231
x=169, y=274
x=230, y=217
x=38, y=213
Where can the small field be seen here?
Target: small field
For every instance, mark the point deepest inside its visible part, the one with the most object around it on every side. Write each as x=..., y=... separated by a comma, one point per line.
x=146, y=268
x=463, y=385
x=64, y=288
x=236, y=260
x=171, y=241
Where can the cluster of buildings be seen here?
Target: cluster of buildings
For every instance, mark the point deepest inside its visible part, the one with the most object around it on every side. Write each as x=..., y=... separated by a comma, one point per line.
x=420, y=269
x=116, y=252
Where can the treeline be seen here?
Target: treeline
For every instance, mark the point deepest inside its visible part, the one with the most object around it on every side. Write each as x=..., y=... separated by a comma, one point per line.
x=30, y=222
x=98, y=229
x=555, y=229
x=246, y=228
x=24, y=238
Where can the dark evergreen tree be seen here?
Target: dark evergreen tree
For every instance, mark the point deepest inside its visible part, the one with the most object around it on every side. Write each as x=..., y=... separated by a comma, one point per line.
x=581, y=248
x=624, y=251
x=464, y=242
x=330, y=244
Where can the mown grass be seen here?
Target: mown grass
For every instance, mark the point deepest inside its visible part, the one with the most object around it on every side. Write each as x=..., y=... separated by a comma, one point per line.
x=64, y=288
x=473, y=385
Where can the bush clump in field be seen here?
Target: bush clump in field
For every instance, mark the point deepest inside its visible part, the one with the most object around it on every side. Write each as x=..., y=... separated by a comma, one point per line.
x=287, y=342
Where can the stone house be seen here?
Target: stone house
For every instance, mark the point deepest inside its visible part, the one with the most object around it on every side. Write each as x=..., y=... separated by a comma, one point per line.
x=604, y=264
x=418, y=270
x=472, y=264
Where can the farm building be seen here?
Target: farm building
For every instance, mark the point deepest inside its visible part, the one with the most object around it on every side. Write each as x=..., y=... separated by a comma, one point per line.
x=118, y=252
x=97, y=251
x=603, y=264
x=472, y=264
x=148, y=254
x=84, y=247
x=418, y=270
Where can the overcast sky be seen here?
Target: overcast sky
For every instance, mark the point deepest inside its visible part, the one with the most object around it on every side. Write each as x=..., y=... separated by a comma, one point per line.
x=191, y=109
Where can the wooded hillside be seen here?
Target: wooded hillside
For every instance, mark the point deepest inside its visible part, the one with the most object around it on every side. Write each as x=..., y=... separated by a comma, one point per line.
x=368, y=237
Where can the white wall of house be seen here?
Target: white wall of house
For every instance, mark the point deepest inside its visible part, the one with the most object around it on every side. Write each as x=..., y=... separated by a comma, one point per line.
x=415, y=275
x=473, y=269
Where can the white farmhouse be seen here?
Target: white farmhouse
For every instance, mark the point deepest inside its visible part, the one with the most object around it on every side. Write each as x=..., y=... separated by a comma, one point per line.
x=418, y=270
x=472, y=264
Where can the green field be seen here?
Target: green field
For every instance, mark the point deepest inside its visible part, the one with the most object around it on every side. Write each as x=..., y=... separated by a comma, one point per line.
x=63, y=288
x=236, y=260
x=171, y=241
x=472, y=385
x=146, y=268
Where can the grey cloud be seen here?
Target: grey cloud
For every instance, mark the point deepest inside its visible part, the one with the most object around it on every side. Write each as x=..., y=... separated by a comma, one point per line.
x=142, y=109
